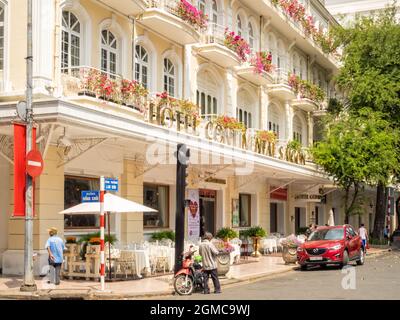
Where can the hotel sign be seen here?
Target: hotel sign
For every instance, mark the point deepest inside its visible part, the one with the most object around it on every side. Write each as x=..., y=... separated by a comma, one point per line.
x=308, y=197
x=167, y=117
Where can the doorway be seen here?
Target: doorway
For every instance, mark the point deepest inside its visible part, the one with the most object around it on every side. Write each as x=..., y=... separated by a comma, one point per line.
x=207, y=211
x=299, y=218
x=274, y=218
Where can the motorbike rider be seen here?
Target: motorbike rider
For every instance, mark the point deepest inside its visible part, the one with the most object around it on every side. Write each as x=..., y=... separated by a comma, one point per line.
x=209, y=253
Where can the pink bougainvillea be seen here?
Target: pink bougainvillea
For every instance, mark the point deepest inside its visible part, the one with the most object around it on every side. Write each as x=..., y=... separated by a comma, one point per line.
x=191, y=14
x=237, y=44
x=262, y=62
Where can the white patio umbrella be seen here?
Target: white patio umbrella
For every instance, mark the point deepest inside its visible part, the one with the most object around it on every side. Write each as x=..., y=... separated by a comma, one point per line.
x=331, y=219
x=112, y=204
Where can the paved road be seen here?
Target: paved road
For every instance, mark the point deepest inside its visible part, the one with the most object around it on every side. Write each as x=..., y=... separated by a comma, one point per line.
x=378, y=278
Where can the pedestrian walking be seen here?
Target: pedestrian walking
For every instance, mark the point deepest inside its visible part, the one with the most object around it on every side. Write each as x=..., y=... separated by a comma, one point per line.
x=386, y=234
x=364, y=236
x=55, y=248
x=209, y=253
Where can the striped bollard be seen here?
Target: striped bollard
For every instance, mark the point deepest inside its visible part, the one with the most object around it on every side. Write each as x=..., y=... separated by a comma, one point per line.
x=102, y=260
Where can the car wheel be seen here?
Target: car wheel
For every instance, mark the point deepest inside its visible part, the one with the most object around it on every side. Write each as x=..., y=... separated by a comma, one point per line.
x=361, y=260
x=345, y=260
x=303, y=267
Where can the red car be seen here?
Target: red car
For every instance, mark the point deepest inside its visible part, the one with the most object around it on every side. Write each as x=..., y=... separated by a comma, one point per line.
x=331, y=245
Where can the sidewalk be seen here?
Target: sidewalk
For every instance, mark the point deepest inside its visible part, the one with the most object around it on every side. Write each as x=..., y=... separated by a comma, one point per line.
x=144, y=288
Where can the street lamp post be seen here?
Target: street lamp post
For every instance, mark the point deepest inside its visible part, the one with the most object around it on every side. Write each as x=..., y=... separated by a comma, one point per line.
x=29, y=281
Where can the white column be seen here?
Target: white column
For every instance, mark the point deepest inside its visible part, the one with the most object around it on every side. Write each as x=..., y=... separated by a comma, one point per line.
x=187, y=84
x=289, y=120
x=43, y=44
x=264, y=109
x=310, y=129
x=231, y=95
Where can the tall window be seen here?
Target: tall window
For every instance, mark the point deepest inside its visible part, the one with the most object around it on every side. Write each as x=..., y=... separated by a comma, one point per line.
x=214, y=12
x=251, y=36
x=109, y=52
x=245, y=117
x=156, y=197
x=169, y=77
x=142, y=66
x=274, y=120
x=73, y=186
x=70, y=41
x=245, y=210
x=202, y=6
x=239, y=26
x=207, y=103
x=297, y=129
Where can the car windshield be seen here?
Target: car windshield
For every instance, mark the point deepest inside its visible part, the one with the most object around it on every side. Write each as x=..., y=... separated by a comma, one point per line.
x=327, y=234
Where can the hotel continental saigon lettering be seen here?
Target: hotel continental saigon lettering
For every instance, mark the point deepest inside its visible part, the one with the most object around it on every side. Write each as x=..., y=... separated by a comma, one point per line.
x=166, y=116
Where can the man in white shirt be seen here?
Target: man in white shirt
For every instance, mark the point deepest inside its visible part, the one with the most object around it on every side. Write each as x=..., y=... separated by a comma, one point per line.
x=364, y=236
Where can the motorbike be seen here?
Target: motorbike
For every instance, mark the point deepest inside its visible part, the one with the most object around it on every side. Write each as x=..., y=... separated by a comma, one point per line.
x=191, y=277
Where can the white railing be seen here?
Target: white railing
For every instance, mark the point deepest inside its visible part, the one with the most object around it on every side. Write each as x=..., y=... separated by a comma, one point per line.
x=280, y=76
x=216, y=34
x=209, y=116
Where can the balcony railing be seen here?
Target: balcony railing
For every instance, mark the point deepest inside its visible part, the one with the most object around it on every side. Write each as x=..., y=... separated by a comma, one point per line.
x=280, y=76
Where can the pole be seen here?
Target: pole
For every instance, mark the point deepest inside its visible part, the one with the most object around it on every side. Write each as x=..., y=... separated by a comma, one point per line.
x=29, y=281
x=102, y=264
x=109, y=245
x=182, y=155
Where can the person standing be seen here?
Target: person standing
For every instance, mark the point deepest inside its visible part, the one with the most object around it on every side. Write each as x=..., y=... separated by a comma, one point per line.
x=364, y=236
x=209, y=253
x=386, y=234
x=55, y=248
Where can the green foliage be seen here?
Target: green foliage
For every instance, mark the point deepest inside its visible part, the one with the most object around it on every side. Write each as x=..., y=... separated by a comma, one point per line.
x=86, y=238
x=294, y=145
x=357, y=149
x=370, y=75
x=163, y=235
x=226, y=233
x=335, y=106
x=255, y=232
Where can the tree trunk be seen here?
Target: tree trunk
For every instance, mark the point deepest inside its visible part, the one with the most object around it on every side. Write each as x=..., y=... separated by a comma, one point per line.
x=398, y=213
x=380, y=213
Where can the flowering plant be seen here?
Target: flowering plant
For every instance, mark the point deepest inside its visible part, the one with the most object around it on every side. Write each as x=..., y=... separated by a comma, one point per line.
x=306, y=89
x=262, y=62
x=106, y=87
x=267, y=136
x=230, y=123
x=94, y=241
x=132, y=90
x=191, y=14
x=237, y=44
x=70, y=240
x=90, y=79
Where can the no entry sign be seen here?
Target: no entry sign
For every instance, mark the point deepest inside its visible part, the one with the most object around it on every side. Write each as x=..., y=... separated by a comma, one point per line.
x=34, y=163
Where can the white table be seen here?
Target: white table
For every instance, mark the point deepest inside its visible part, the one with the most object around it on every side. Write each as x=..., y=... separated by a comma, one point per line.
x=142, y=262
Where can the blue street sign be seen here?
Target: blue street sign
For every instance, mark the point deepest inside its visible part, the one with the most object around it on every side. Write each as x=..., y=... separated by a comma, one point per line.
x=111, y=184
x=90, y=196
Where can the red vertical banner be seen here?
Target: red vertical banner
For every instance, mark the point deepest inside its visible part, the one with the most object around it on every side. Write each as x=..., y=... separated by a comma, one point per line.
x=20, y=168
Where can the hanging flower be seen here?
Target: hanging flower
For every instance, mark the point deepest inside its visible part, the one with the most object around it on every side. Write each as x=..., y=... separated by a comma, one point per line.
x=191, y=14
x=230, y=123
x=237, y=44
x=262, y=62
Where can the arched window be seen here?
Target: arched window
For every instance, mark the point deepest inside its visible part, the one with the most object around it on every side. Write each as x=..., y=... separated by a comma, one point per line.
x=245, y=109
x=70, y=41
x=252, y=40
x=109, y=52
x=214, y=12
x=274, y=120
x=169, y=77
x=208, y=95
x=296, y=64
x=239, y=25
x=142, y=66
x=297, y=129
x=202, y=5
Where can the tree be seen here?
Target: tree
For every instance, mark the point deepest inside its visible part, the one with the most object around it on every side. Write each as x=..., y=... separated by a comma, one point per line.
x=370, y=76
x=358, y=149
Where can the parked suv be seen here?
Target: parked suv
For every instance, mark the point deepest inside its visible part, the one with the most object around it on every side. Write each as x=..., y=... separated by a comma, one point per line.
x=331, y=245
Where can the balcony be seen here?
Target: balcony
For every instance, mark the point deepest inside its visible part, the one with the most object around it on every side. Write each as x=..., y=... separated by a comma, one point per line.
x=215, y=50
x=280, y=87
x=163, y=16
x=305, y=104
x=286, y=25
x=129, y=7
x=249, y=73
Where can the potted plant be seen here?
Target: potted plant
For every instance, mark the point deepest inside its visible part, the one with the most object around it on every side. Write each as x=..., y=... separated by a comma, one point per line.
x=256, y=233
x=163, y=235
x=289, y=249
x=226, y=234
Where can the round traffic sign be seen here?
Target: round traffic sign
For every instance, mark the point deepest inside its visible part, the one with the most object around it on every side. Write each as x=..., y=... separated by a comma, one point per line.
x=34, y=163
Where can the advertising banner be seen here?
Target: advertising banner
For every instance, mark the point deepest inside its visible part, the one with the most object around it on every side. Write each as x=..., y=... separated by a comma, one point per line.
x=193, y=214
